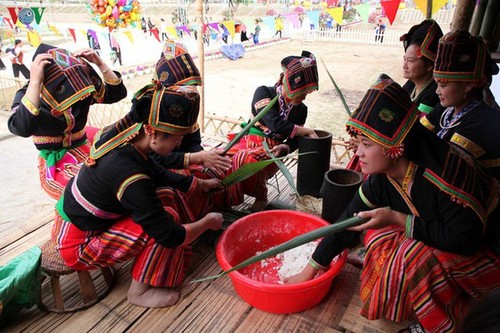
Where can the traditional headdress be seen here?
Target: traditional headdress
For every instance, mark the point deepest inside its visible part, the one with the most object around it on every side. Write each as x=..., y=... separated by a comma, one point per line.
x=172, y=110
x=426, y=36
x=463, y=57
x=300, y=75
x=176, y=67
x=385, y=115
x=67, y=79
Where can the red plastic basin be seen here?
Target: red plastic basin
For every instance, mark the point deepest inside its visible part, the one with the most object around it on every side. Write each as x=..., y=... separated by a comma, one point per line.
x=259, y=232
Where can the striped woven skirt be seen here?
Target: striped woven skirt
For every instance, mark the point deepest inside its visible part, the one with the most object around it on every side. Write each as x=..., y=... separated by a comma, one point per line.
x=54, y=179
x=153, y=264
x=402, y=277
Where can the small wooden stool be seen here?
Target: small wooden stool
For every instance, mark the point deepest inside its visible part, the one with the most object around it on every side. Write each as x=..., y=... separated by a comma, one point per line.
x=53, y=267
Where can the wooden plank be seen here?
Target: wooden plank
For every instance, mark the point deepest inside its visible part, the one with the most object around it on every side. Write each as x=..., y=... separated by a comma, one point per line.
x=354, y=322
x=40, y=219
x=34, y=238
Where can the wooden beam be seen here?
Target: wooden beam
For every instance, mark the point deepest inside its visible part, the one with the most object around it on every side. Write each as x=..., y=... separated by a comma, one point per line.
x=463, y=15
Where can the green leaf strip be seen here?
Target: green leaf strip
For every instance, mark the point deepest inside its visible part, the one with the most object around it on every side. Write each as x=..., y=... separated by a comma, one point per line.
x=247, y=128
x=293, y=243
x=337, y=89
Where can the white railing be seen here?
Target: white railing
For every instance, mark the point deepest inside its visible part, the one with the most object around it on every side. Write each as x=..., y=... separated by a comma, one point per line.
x=443, y=16
x=348, y=36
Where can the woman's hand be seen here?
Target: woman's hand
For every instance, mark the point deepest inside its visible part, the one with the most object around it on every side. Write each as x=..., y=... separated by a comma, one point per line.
x=207, y=185
x=379, y=218
x=212, y=159
x=308, y=132
x=37, y=67
x=91, y=56
x=280, y=150
x=214, y=221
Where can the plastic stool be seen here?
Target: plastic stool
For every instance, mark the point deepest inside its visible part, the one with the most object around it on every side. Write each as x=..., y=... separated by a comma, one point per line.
x=53, y=267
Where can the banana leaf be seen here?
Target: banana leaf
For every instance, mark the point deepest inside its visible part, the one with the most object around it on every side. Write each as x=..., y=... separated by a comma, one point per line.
x=337, y=89
x=292, y=243
x=283, y=169
x=249, y=125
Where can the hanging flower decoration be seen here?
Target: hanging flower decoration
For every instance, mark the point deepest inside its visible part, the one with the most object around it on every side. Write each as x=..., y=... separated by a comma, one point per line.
x=115, y=14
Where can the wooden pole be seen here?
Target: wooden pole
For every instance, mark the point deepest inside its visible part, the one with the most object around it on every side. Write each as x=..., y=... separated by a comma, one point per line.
x=463, y=15
x=491, y=17
x=477, y=17
x=429, y=9
x=201, y=62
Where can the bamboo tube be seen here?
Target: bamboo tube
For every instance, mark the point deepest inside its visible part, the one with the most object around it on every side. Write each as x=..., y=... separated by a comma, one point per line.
x=463, y=15
x=490, y=19
x=477, y=17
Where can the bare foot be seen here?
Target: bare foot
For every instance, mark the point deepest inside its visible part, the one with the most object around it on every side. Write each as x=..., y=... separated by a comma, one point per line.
x=147, y=296
x=258, y=205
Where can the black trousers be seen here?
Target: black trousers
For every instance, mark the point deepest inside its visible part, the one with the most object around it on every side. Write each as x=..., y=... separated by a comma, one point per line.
x=16, y=68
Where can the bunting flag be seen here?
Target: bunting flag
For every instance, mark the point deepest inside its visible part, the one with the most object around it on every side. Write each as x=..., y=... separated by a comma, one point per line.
x=171, y=32
x=34, y=38
x=332, y=3
x=94, y=35
x=293, y=19
x=129, y=36
x=269, y=22
x=9, y=22
x=84, y=34
x=336, y=13
x=230, y=27
x=390, y=8
x=72, y=33
x=314, y=17
x=363, y=11
x=54, y=29
x=436, y=5
x=250, y=23
x=8, y=34
x=104, y=36
x=185, y=29
x=156, y=33
x=214, y=25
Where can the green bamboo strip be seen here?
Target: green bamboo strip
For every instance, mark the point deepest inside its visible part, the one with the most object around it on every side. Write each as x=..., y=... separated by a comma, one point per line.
x=249, y=125
x=292, y=243
x=283, y=168
x=337, y=89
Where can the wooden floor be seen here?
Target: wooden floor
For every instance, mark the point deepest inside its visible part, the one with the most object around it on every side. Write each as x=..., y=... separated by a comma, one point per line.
x=211, y=306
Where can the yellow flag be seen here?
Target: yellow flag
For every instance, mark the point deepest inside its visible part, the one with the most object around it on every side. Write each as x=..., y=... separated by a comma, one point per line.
x=84, y=33
x=34, y=38
x=129, y=36
x=54, y=29
x=336, y=13
x=436, y=5
x=230, y=27
x=171, y=32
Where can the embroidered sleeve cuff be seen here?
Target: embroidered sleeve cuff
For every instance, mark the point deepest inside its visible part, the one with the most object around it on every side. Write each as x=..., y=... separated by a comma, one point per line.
x=187, y=240
x=424, y=121
x=410, y=219
x=425, y=108
x=113, y=82
x=186, y=160
x=294, y=131
x=315, y=265
x=31, y=108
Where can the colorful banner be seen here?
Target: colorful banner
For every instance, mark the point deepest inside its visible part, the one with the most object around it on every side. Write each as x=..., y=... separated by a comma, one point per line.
x=436, y=5
x=54, y=29
x=293, y=19
x=363, y=11
x=390, y=8
x=230, y=27
x=171, y=32
x=269, y=22
x=34, y=38
x=314, y=18
x=336, y=13
x=72, y=33
x=129, y=35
